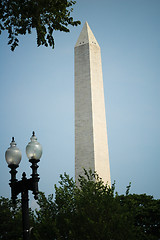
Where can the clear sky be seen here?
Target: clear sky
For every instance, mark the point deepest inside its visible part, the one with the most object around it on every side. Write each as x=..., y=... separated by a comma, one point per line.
x=37, y=93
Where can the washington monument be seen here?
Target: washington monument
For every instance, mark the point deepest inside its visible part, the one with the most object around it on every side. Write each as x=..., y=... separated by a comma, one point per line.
x=91, y=145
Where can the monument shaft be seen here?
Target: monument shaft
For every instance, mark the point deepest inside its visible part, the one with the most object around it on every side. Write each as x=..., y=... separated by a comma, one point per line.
x=91, y=146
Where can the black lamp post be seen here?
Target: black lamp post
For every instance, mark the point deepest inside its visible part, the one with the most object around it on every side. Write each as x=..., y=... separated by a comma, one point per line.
x=13, y=157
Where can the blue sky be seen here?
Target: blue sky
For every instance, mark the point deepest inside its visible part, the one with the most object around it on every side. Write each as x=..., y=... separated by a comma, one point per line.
x=37, y=93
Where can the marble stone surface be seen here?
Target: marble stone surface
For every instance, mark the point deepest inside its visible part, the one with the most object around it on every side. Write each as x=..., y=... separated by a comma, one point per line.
x=91, y=145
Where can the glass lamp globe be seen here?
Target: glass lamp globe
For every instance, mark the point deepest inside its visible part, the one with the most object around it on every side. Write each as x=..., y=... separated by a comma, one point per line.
x=13, y=154
x=34, y=148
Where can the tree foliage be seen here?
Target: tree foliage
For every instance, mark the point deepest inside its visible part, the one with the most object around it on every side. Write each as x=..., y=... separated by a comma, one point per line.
x=10, y=220
x=146, y=214
x=19, y=17
x=91, y=210
x=45, y=219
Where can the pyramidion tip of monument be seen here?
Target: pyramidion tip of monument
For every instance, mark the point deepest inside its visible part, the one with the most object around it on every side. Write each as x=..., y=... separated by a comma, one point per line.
x=86, y=36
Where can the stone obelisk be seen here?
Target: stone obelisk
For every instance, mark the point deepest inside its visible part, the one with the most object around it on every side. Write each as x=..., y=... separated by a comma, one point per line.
x=91, y=145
